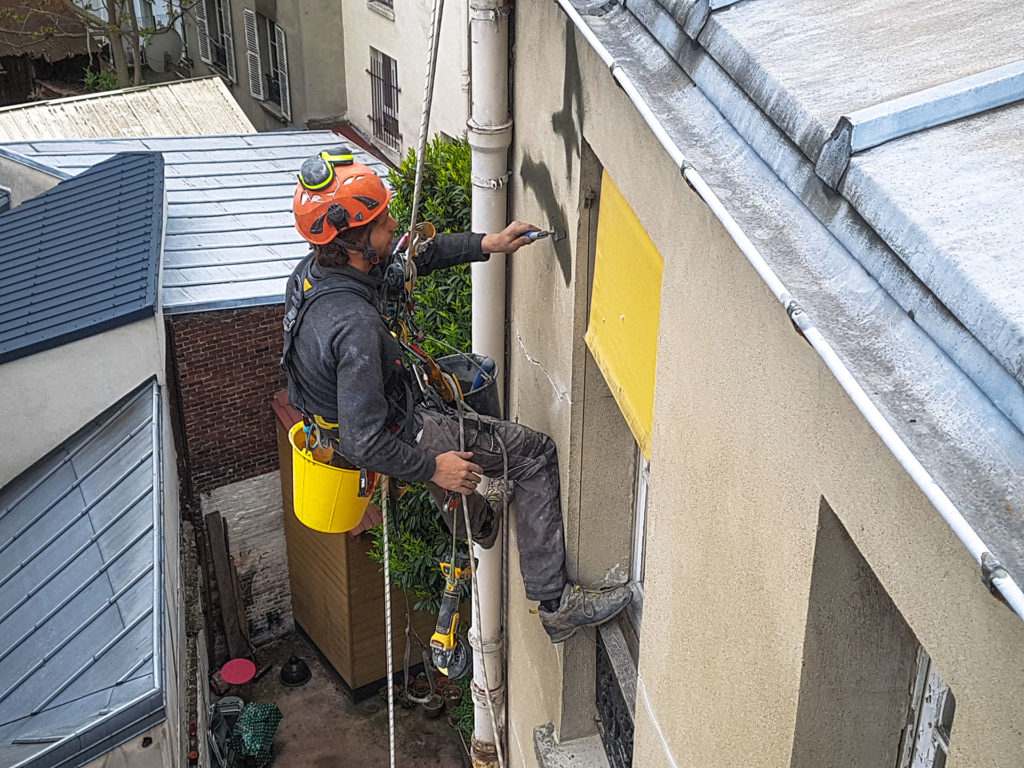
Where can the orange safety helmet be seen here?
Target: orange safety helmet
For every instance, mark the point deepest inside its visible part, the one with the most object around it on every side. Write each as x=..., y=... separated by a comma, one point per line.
x=335, y=194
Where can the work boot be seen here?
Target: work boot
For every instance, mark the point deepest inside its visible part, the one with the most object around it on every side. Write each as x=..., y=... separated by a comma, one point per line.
x=582, y=607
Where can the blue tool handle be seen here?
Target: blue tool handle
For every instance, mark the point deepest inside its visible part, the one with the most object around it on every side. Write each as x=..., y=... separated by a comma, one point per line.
x=538, y=234
x=486, y=368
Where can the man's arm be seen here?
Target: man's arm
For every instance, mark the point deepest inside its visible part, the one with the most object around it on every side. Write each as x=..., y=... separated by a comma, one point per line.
x=449, y=250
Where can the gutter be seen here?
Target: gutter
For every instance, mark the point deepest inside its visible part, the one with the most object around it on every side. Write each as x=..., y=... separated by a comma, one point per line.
x=993, y=575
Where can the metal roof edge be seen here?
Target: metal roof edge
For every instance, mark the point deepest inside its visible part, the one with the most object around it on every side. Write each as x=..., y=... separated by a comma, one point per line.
x=53, y=342
x=918, y=111
x=159, y=221
x=78, y=750
x=223, y=304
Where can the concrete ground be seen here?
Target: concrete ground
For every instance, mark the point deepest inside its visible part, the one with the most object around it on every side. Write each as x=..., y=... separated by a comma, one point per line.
x=322, y=728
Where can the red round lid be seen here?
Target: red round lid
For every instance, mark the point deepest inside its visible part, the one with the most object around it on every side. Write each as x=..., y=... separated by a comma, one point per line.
x=238, y=671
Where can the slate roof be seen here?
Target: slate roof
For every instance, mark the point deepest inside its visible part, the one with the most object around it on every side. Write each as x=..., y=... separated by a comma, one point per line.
x=195, y=107
x=81, y=257
x=911, y=266
x=230, y=236
x=81, y=662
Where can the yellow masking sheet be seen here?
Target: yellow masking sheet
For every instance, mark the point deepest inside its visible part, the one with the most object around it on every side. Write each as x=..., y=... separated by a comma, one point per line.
x=622, y=333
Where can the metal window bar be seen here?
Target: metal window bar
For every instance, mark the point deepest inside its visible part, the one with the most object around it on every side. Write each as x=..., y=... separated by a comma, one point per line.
x=385, y=3
x=384, y=92
x=614, y=719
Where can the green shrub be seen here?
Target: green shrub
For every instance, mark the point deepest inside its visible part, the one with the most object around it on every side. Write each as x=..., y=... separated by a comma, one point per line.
x=419, y=538
x=102, y=80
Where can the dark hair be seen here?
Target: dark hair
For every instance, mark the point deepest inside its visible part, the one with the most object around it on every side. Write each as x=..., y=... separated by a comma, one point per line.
x=335, y=253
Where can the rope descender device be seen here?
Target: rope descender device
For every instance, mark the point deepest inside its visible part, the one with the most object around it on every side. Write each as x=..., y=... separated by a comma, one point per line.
x=447, y=652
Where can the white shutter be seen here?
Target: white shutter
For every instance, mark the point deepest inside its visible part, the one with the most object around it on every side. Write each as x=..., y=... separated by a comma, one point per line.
x=252, y=54
x=282, y=70
x=228, y=42
x=204, y=32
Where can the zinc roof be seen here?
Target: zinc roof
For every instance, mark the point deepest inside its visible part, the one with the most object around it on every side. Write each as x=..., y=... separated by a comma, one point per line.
x=81, y=663
x=947, y=200
x=81, y=257
x=184, y=108
x=230, y=238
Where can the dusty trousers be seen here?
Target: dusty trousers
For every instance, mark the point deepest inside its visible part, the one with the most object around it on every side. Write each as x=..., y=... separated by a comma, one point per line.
x=533, y=468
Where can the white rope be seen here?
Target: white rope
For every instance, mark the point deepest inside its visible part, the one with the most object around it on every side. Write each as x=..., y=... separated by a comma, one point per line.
x=385, y=496
x=428, y=97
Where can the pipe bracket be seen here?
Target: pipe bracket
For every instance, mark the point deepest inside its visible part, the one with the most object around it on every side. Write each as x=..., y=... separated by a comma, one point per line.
x=491, y=646
x=992, y=569
x=795, y=312
x=490, y=14
x=497, y=695
x=497, y=183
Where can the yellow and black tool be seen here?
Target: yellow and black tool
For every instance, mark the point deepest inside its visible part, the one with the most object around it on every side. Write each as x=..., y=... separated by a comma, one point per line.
x=448, y=654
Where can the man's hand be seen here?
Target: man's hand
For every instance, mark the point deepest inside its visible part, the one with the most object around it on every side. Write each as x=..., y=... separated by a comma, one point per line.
x=454, y=472
x=509, y=240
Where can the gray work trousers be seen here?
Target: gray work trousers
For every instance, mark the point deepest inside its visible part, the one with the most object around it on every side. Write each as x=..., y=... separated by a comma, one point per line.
x=533, y=468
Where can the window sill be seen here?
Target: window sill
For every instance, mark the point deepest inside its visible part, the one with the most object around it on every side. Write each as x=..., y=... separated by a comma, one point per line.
x=383, y=10
x=273, y=110
x=587, y=752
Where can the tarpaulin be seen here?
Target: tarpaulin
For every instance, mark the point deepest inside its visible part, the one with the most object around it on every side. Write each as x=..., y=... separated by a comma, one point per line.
x=622, y=333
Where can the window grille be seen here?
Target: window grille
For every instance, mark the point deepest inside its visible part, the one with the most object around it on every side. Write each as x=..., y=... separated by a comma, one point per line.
x=385, y=3
x=614, y=723
x=384, y=92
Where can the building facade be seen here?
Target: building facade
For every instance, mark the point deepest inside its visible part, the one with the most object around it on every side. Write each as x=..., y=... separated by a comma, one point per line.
x=326, y=63
x=799, y=601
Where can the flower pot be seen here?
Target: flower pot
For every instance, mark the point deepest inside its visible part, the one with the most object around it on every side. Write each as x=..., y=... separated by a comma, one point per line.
x=452, y=696
x=434, y=707
x=420, y=688
x=453, y=720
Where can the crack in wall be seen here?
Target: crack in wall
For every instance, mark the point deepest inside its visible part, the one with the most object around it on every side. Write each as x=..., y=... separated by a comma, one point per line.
x=560, y=392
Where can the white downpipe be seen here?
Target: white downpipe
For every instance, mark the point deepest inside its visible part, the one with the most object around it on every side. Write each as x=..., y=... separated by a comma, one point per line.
x=991, y=569
x=490, y=133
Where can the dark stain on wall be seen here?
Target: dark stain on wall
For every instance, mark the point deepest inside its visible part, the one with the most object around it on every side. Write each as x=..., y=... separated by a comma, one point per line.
x=567, y=122
x=537, y=178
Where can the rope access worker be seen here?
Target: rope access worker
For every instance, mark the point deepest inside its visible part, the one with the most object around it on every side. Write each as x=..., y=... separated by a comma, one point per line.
x=346, y=368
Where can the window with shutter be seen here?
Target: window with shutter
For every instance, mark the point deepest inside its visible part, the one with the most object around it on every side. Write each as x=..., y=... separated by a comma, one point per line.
x=204, y=32
x=252, y=54
x=224, y=7
x=282, y=68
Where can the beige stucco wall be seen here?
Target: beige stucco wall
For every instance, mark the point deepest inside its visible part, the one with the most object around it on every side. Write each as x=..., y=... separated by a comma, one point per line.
x=405, y=38
x=751, y=431
x=159, y=752
x=51, y=395
x=24, y=181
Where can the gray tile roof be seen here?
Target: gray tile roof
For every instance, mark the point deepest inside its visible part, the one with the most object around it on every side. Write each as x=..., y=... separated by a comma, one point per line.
x=82, y=256
x=81, y=666
x=230, y=237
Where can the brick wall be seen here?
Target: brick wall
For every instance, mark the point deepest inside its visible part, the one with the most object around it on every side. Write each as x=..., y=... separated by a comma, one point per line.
x=253, y=511
x=227, y=372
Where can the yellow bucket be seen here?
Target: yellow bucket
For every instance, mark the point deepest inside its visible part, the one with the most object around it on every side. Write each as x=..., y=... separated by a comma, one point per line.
x=326, y=498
